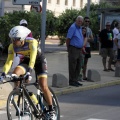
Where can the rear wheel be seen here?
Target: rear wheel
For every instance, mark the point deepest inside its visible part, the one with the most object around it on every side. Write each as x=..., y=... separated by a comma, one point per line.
x=55, y=104
x=15, y=108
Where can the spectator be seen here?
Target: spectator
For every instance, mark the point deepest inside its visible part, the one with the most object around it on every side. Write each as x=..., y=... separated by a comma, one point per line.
x=115, y=34
x=24, y=23
x=74, y=43
x=87, y=48
x=80, y=78
x=106, y=39
x=117, y=42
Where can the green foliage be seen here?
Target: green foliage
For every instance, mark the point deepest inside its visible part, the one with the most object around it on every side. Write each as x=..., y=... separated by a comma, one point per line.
x=69, y=16
x=64, y=21
x=10, y=20
x=54, y=25
x=50, y=23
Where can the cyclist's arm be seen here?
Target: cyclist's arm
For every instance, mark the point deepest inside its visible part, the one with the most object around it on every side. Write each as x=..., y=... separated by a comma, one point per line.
x=33, y=53
x=9, y=60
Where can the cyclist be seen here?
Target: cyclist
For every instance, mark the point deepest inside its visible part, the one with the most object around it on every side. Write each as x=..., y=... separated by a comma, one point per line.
x=16, y=60
x=32, y=58
x=24, y=23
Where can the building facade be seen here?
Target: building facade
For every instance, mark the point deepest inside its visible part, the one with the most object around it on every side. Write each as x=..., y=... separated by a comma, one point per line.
x=57, y=6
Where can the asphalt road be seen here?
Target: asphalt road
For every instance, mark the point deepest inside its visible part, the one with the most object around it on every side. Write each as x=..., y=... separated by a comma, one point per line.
x=97, y=104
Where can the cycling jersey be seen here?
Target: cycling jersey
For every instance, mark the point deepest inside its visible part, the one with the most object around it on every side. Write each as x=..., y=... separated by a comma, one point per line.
x=29, y=49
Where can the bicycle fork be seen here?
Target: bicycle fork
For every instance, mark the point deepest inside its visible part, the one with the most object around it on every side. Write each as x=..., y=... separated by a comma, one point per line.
x=16, y=105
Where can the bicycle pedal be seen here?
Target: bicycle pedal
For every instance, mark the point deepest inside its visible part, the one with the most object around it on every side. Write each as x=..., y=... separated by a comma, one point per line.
x=17, y=113
x=21, y=113
x=45, y=116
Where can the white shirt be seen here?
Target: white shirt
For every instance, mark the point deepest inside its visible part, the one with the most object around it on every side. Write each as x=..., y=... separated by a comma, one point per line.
x=118, y=37
x=115, y=34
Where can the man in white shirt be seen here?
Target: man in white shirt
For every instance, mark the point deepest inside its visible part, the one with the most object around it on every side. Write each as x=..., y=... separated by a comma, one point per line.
x=117, y=42
x=115, y=34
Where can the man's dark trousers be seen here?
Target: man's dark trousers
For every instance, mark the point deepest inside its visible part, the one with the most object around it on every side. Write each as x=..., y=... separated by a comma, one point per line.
x=75, y=61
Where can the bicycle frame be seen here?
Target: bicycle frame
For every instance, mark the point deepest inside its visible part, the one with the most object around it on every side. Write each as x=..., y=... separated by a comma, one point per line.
x=38, y=111
x=24, y=92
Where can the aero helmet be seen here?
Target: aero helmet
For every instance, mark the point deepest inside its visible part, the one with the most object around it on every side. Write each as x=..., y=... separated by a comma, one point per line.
x=23, y=21
x=19, y=32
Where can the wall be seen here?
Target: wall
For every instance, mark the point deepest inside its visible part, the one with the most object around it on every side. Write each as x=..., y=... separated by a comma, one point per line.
x=56, y=8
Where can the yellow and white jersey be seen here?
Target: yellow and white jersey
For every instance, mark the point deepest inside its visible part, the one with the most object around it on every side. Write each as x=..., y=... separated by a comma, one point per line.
x=29, y=49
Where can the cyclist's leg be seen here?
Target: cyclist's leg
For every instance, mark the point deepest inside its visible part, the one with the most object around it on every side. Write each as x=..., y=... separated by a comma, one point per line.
x=41, y=70
x=19, y=70
x=44, y=86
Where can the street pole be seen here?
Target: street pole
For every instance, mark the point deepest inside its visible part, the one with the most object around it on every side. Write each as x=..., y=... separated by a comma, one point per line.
x=88, y=7
x=1, y=7
x=22, y=7
x=43, y=25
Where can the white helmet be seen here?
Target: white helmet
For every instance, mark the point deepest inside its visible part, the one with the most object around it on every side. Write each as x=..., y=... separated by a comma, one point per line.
x=23, y=21
x=19, y=32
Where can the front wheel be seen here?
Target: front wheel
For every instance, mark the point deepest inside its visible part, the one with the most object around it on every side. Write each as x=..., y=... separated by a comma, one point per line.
x=15, y=108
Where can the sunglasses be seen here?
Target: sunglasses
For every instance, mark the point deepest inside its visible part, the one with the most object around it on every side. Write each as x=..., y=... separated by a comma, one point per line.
x=15, y=39
x=87, y=21
x=108, y=25
x=25, y=25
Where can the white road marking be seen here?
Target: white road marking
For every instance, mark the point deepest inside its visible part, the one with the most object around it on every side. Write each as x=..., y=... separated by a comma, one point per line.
x=23, y=118
x=95, y=119
x=61, y=116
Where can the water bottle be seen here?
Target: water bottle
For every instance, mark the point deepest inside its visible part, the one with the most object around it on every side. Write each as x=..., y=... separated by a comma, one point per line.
x=33, y=98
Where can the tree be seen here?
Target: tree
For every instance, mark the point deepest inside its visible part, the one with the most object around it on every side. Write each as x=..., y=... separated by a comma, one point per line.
x=10, y=20
x=69, y=16
x=64, y=21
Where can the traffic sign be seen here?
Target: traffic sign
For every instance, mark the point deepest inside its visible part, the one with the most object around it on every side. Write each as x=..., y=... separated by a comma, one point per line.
x=26, y=2
x=36, y=8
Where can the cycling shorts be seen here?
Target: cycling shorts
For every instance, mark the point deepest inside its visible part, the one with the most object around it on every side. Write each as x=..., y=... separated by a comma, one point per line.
x=40, y=66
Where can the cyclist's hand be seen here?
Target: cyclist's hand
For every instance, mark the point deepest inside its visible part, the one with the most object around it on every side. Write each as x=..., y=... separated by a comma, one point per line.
x=28, y=76
x=14, y=75
x=3, y=75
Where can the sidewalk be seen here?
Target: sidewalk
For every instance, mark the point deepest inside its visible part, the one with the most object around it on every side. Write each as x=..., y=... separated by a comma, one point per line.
x=58, y=63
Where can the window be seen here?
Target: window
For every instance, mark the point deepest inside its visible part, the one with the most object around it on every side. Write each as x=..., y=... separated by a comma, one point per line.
x=66, y=2
x=49, y=1
x=58, y=2
x=81, y=3
x=74, y=2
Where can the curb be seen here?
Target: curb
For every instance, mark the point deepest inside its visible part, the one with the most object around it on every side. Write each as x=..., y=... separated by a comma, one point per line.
x=71, y=89
x=85, y=88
